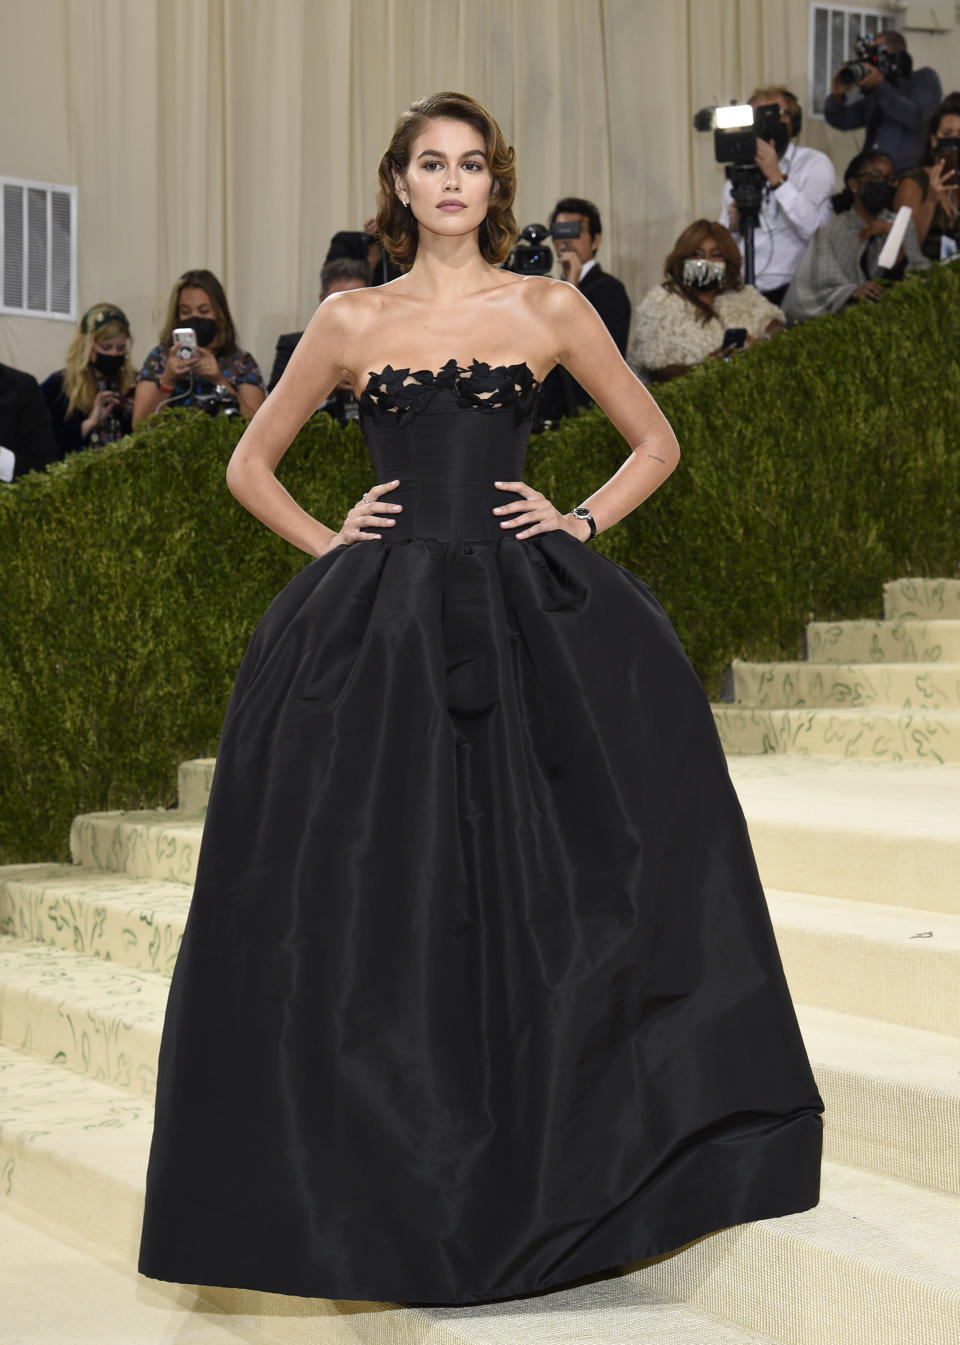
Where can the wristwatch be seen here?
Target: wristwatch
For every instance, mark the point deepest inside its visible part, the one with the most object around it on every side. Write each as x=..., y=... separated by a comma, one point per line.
x=582, y=511
x=777, y=185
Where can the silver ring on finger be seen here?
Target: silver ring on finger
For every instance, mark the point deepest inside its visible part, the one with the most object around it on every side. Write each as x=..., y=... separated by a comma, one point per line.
x=364, y=498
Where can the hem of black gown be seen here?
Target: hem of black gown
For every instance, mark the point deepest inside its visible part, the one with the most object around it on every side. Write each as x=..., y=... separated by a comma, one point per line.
x=785, y=1181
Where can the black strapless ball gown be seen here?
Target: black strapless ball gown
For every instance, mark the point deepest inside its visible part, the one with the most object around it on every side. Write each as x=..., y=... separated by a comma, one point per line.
x=478, y=992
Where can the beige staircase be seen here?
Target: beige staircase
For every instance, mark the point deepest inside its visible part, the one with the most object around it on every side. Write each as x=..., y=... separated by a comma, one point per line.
x=861, y=862
x=869, y=690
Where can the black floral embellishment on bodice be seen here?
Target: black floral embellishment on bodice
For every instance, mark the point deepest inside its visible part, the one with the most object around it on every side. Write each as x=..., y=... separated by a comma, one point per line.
x=403, y=393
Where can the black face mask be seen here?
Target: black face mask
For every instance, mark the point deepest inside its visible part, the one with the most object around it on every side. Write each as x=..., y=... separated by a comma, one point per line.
x=205, y=328
x=108, y=364
x=877, y=196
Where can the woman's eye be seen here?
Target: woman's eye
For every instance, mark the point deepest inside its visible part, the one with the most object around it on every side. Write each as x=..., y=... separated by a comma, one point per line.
x=472, y=163
x=433, y=163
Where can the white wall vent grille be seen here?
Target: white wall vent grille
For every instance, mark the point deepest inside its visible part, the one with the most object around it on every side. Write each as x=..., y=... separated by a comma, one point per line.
x=38, y=245
x=833, y=31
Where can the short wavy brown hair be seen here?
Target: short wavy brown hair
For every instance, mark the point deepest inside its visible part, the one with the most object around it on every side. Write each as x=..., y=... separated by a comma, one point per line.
x=398, y=229
x=691, y=238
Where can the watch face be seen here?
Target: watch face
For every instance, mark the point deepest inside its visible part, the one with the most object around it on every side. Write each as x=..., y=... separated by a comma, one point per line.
x=581, y=511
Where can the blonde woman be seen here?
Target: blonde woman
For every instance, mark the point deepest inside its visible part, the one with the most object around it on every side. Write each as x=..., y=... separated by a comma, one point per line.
x=90, y=400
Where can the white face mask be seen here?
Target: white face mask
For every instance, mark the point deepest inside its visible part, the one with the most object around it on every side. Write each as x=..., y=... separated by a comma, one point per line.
x=704, y=274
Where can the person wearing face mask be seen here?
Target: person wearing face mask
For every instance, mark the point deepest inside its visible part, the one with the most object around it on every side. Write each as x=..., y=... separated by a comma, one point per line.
x=932, y=191
x=798, y=184
x=198, y=300
x=90, y=399
x=841, y=265
x=683, y=321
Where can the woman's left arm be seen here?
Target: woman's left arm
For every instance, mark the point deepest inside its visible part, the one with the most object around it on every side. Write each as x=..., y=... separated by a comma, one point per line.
x=587, y=350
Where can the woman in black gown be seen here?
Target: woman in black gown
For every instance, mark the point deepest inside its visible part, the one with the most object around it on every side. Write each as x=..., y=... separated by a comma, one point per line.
x=478, y=992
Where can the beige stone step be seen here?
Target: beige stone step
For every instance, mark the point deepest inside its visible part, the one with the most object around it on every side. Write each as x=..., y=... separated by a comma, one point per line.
x=84, y=1013
x=923, y=599
x=892, y=1096
x=901, y=641
x=876, y=1263
x=896, y=964
x=194, y=779
x=884, y=1256
x=162, y=845
x=860, y=830
x=931, y=737
x=134, y=922
x=55, y=1290
x=851, y=686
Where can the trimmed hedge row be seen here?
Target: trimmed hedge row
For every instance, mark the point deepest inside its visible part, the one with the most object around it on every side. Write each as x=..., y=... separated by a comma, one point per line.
x=815, y=467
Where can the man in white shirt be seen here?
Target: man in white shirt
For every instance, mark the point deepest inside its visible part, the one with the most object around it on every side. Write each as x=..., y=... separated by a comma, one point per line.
x=796, y=197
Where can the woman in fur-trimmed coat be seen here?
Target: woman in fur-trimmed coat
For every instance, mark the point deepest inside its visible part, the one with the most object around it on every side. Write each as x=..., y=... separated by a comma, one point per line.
x=682, y=322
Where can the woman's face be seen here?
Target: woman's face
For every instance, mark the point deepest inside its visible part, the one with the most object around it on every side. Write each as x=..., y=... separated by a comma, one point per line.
x=110, y=345
x=949, y=129
x=195, y=303
x=709, y=248
x=448, y=180
x=878, y=170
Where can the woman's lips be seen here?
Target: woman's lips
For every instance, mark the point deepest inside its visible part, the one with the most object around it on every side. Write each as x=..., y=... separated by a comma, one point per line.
x=451, y=206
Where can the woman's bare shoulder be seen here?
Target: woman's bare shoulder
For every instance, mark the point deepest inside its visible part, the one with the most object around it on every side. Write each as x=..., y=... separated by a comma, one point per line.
x=547, y=297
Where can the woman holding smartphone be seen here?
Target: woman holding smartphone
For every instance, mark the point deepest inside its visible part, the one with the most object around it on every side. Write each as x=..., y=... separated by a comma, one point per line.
x=933, y=191
x=197, y=301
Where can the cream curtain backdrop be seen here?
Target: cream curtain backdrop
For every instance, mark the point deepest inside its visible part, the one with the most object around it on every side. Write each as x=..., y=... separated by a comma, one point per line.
x=241, y=134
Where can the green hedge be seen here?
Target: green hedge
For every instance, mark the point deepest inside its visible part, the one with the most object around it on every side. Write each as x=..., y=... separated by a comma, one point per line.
x=815, y=467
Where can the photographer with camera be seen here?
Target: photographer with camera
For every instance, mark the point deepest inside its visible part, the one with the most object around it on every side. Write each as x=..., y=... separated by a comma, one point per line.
x=932, y=190
x=560, y=394
x=197, y=361
x=798, y=184
x=880, y=89
x=842, y=263
x=703, y=310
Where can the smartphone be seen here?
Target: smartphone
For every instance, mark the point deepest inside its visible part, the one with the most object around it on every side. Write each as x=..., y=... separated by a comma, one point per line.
x=946, y=152
x=184, y=343
x=734, y=338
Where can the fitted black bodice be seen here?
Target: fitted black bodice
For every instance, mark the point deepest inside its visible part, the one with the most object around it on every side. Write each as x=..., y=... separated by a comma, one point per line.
x=447, y=436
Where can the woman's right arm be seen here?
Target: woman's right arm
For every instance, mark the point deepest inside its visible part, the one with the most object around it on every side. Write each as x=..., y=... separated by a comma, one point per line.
x=315, y=368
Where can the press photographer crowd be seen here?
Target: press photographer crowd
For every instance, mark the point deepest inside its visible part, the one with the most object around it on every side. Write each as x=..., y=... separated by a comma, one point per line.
x=785, y=246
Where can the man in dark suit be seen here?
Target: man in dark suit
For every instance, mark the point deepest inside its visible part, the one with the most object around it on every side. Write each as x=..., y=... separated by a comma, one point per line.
x=26, y=434
x=342, y=273
x=561, y=394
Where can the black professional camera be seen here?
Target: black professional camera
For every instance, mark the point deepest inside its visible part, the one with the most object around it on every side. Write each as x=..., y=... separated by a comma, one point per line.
x=893, y=65
x=219, y=401
x=531, y=256
x=737, y=128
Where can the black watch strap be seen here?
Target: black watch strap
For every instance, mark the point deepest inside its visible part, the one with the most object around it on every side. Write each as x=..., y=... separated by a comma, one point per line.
x=583, y=512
